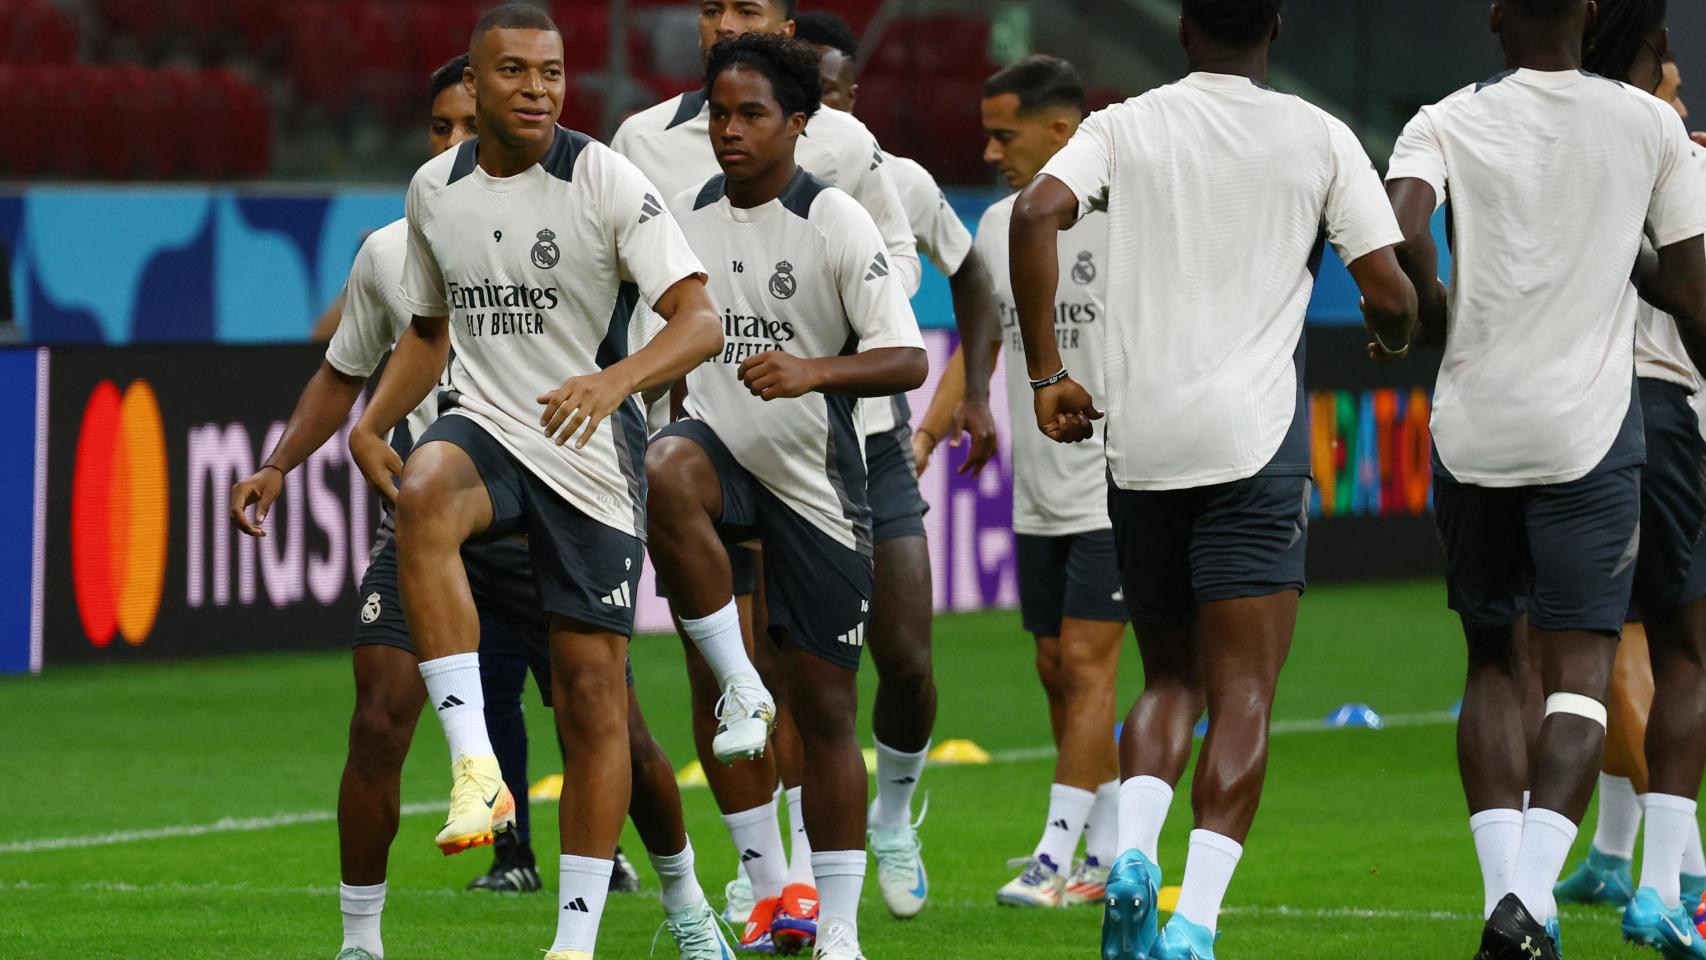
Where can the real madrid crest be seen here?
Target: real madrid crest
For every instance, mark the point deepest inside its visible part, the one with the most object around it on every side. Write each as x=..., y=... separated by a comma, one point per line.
x=1084, y=270
x=370, y=609
x=782, y=282
x=545, y=252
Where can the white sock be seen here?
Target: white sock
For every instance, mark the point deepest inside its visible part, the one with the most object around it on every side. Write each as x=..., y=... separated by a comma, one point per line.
x=1102, y=832
x=1693, y=861
x=675, y=875
x=840, y=878
x=799, y=846
x=1068, y=809
x=719, y=641
x=1619, y=818
x=583, y=883
x=362, y=908
x=758, y=838
x=1668, y=819
x=1208, y=872
x=454, y=691
x=897, y=781
x=1498, y=836
x=1546, y=839
x=1525, y=795
x=1143, y=809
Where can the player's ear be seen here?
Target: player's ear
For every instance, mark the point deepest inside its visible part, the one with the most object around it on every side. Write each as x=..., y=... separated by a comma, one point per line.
x=1592, y=18
x=1496, y=18
x=1184, y=33
x=1273, y=37
x=468, y=81
x=852, y=97
x=797, y=123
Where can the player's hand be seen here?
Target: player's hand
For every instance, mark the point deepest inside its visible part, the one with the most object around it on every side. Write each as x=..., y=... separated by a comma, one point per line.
x=579, y=400
x=259, y=490
x=378, y=462
x=1065, y=412
x=777, y=375
x=1377, y=351
x=1698, y=137
x=923, y=445
x=975, y=418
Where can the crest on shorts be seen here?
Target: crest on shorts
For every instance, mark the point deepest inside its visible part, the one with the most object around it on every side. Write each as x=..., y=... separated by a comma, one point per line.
x=545, y=252
x=1084, y=270
x=782, y=282
x=370, y=609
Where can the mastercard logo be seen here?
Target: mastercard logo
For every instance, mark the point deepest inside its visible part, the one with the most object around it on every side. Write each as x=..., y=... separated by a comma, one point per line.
x=119, y=513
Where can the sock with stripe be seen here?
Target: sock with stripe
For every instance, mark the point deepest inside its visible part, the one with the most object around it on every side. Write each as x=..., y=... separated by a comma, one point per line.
x=758, y=837
x=898, y=773
x=363, y=908
x=1068, y=809
x=454, y=692
x=719, y=641
x=583, y=884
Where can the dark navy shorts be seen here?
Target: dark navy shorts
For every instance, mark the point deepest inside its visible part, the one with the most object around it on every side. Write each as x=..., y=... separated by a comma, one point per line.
x=1076, y=575
x=817, y=591
x=897, y=506
x=1179, y=549
x=584, y=570
x=1671, y=568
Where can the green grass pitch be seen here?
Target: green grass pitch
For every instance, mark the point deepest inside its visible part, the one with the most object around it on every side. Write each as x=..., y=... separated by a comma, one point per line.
x=1361, y=848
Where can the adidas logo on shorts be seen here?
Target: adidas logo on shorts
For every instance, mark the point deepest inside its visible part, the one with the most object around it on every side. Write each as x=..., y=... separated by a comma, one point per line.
x=854, y=637
x=620, y=597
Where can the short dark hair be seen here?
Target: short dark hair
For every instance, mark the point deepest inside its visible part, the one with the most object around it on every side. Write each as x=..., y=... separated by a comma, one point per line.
x=1620, y=34
x=513, y=16
x=789, y=65
x=447, y=76
x=788, y=7
x=1039, y=81
x=826, y=30
x=1236, y=23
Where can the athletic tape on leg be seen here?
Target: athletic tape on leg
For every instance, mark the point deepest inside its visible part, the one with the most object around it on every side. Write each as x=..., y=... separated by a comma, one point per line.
x=1577, y=704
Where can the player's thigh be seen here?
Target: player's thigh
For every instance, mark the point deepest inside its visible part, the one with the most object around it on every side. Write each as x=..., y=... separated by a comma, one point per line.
x=458, y=483
x=588, y=673
x=1670, y=570
x=1250, y=539
x=1488, y=570
x=1042, y=582
x=1152, y=545
x=818, y=590
x=688, y=459
x=1584, y=537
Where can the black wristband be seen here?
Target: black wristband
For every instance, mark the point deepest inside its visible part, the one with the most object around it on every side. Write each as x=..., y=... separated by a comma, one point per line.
x=1049, y=381
x=273, y=466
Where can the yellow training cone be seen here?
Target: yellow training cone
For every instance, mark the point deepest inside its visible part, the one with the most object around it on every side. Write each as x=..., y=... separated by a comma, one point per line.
x=959, y=751
x=547, y=789
x=1167, y=900
x=870, y=759
x=692, y=775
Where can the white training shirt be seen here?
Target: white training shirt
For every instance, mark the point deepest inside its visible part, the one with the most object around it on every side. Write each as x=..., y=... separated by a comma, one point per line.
x=375, y=316
x=1217, y=191
x=1058, y=489
x=540, y=274
x=810, y=280
x=671, y=143
x=1552, y=177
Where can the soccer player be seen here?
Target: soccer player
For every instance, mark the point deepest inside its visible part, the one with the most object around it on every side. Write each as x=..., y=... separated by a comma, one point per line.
x=529, y=248
x=772, y=443
x=1221, y=194
x=1537, y=433
x=899, y=634
x=1069, y=589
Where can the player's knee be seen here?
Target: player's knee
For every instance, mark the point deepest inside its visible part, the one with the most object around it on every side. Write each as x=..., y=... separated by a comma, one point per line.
x=595, y=699
x=378, y=739
x=827, y=714
x=671, y=463
x=903, y=664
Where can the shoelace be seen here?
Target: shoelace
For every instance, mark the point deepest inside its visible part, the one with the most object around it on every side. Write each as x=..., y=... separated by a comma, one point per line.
x=465, y=786
x=736, y=702
x=691, y=933
x=836, y=936
x=1035, y=874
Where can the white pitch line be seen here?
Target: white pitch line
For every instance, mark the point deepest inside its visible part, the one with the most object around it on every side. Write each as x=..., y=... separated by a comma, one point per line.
x=253, y=824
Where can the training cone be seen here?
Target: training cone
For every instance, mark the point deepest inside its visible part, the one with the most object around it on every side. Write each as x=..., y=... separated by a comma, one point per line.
x=692, y=775
x=959, y=751
x=1457, y=710
x=1167, y=899
x=870, y=755
x=546, y=789
x=1201, y=729
x=1359, y=715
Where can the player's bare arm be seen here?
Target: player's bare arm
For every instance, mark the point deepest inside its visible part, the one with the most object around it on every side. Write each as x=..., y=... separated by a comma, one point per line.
x=883, y=372
x=416, y=364
x=946, y=419
x=1413, y=202
x=691, y=335
x=974, y=314
x=320, y=411
x=1388, y=304
x=1045, y=207
x=1674, y=281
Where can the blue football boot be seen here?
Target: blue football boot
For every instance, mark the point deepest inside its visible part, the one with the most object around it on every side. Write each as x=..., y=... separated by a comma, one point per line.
x=1130, y=919
x=1600, y=879
x=1184, y=940
x=1670, y=930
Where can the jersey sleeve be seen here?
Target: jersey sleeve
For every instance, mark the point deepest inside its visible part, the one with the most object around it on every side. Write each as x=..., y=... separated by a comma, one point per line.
x=991, y=245
x=942, y=235
x=1678, y=208
x=374, y=316
x=876, y=305
x=650, y=247
x=1358, y=215
x=877, y=194
x=423, y=281
x=1086, y=163
x=1419, y=155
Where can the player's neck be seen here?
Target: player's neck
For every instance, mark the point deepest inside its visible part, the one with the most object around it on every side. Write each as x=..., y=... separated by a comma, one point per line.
x=760, y=189
x=500, y=160
x=1546, y=51
x=1237, y=63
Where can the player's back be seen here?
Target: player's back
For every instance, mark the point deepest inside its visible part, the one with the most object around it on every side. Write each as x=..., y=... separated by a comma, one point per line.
x=1552, y=177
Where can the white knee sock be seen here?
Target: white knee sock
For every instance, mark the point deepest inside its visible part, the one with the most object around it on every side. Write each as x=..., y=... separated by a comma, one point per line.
x=1102, y=832
x=1498, y=837
x=1143, y=809
x=454, y=691
x=1693, y=860
x=1068, y=809
x=583, y=884
x=1668, y=826
x=1619, y=818
x=1208, y=872
x=1546, y=839
x=799, y=846
x=758, y=836
x=680, y=886
x=719, y=641
x=840, y=878
x=362, y=908
x=897, y=781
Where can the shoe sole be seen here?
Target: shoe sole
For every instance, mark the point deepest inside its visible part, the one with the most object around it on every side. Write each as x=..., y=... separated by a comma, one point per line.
x=904, y=911
x=501, y=823
x=743, y=740
x=1127, y=918
x=1656, y=940
x=1011, y=901
x=1080, y=898
x=789, y=942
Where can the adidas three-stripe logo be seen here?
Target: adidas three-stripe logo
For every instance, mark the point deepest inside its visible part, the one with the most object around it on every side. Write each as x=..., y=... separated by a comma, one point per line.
x=854, y=637
x=649, y=208
x=620, y=597
x=750, y=854
x=577, y=904
x=879, y=267
x=1060, y=824
x=451, y=701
